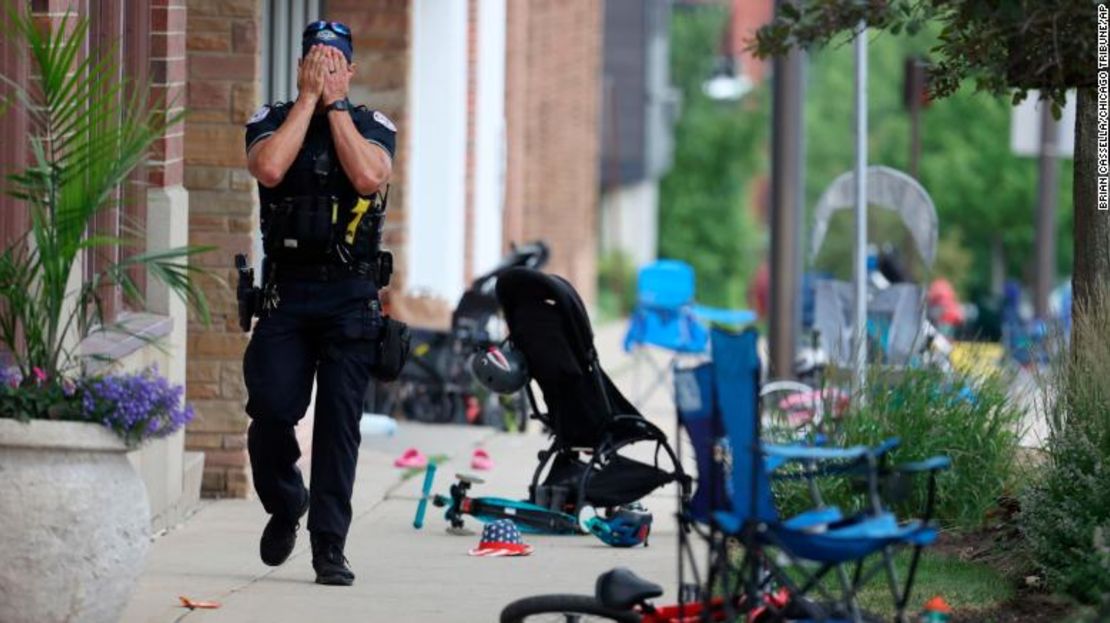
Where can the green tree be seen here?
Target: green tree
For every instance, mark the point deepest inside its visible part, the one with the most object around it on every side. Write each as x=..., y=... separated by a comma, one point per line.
x=705, y=218
x=982, y=191
x=1006, y=48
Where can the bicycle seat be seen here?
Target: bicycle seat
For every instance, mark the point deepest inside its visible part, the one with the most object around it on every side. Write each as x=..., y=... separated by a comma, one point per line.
x=620, y=589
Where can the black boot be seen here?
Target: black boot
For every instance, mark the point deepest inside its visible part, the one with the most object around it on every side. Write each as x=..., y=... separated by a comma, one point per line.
x=280, y=536
x=329, y=562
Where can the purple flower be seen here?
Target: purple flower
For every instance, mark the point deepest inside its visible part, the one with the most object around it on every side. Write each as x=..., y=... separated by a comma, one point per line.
x=10, y=377
x=39, y=374
x=138, y=406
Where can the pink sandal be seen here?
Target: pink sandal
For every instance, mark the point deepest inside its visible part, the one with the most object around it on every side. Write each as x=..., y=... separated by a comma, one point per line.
x=412, y=458
x=481, y=460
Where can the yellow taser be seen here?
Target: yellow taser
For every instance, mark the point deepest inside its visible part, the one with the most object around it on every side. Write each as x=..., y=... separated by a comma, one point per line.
x=359, y=211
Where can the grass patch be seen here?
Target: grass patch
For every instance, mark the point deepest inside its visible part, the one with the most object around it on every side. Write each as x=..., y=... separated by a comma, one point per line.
x=966, y=586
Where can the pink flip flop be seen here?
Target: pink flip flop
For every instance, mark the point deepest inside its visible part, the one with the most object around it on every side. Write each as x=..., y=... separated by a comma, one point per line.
x=481, y=460
x=412, y=458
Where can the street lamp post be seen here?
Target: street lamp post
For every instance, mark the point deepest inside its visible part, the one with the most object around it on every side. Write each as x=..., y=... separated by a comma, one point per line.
x=860, y=272
x=1047, y=170
x=787, y=143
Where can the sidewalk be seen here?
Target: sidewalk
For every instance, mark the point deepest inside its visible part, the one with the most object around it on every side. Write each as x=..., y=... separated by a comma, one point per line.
x=403, y=574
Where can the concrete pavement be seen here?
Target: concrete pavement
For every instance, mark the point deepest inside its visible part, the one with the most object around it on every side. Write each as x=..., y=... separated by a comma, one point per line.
x=403, y=574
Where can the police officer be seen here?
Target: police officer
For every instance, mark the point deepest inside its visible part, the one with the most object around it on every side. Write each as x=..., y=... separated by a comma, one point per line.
x=322, y=167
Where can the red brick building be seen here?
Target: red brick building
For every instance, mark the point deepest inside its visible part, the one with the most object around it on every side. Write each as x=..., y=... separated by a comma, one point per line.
x=553, y=91
x=496, y=103
x=747, y=17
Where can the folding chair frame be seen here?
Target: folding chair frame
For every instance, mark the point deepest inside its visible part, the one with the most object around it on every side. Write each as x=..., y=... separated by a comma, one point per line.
x=758, y=570
x=641, y=355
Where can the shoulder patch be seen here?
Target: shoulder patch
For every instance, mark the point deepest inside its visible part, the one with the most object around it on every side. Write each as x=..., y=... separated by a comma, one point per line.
x=259, y=115
x=382, y=119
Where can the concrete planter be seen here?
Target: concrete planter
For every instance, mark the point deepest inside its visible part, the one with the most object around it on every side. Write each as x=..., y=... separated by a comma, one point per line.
x=74, y=523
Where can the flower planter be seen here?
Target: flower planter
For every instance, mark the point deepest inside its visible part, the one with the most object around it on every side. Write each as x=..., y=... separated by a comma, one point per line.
x=74, y=523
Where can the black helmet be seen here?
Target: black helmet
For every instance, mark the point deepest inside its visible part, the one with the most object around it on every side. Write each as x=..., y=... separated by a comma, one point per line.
x=500, y=369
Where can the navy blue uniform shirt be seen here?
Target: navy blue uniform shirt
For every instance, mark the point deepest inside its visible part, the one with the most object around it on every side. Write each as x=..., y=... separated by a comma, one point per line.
x=300, y=178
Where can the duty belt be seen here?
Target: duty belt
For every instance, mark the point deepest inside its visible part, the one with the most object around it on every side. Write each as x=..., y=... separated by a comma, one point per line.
x=380, y=269
x=319, y=272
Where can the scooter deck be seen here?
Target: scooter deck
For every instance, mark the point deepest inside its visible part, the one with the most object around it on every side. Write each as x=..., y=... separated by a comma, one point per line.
x=528, y=517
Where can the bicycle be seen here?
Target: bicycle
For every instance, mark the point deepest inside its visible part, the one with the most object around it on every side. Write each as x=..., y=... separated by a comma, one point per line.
x=622, y=596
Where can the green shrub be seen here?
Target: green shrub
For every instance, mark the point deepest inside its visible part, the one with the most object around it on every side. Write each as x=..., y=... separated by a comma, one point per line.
x=616, y=280
x=1066, y=512
x=932, y=414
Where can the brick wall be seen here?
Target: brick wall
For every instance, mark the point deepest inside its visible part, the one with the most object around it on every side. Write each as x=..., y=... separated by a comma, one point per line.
x=223, y=90
x=552, y=85
x=380, y=29
x=553, y=81
x=516, y=82
x=167, y=87
x=747, y=17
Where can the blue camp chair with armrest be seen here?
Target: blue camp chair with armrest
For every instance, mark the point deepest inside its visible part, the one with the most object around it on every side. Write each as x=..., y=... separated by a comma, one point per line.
x=718, y=402
x=666, y=316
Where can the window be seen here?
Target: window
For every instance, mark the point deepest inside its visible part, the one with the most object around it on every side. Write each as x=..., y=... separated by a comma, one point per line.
x=282, y=24
x=123, y=29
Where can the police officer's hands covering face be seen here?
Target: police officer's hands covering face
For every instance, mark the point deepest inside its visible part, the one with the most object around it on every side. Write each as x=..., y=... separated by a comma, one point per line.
x=337, y=81
x=362, y=139
x=311, y=72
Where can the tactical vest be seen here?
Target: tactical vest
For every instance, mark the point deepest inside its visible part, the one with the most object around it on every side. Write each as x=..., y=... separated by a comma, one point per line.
x=315, y=229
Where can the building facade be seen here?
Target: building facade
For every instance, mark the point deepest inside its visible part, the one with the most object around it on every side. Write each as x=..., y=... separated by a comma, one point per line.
x=497, y=107
x=147, y=38
x=639, y=112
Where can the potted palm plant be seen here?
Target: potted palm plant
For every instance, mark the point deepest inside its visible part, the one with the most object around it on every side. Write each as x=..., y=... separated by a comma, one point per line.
x=74, y=512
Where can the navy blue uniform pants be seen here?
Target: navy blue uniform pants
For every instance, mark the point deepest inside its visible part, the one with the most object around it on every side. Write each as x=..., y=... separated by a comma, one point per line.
x=325, y=330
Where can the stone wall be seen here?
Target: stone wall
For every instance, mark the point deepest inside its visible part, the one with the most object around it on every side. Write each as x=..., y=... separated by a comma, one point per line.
x=223, y=90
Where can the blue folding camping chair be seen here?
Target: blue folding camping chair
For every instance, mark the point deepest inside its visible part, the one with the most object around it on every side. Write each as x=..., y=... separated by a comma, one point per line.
x=667, y=317
x=717, y=404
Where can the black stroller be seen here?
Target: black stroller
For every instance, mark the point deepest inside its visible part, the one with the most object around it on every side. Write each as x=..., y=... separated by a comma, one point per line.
x=435, y=386
x=589, y=419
